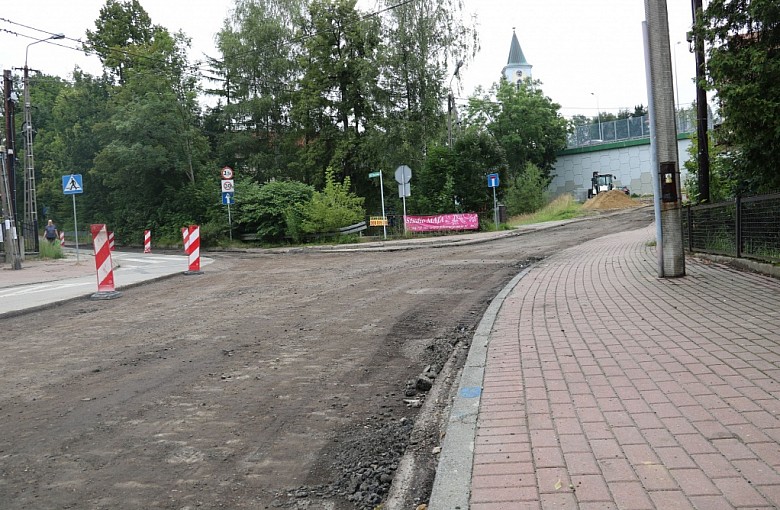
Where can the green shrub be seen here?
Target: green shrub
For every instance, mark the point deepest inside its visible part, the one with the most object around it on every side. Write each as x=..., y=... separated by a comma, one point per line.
x=263, y=210
x=51, y=250
x=328, y=210
x=527, y=191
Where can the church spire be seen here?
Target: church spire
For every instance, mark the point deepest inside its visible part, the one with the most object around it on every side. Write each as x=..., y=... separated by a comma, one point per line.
x=517, y=67
x=516, y=56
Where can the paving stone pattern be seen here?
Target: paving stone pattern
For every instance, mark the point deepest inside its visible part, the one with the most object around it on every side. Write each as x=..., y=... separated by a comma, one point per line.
x=607, y=387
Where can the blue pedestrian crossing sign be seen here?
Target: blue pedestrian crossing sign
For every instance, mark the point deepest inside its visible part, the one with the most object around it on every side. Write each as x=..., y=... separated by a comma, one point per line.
x=72, y=184
x=227, y=198
x=492, y=180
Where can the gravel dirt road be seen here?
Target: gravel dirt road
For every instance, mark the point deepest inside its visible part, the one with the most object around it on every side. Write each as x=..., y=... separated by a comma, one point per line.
x=273, y=380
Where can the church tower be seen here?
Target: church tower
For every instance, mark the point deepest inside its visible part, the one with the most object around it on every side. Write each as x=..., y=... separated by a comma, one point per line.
x=516, y=68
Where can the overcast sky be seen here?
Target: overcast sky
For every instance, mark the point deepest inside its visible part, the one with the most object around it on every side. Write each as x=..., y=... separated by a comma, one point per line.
x=587, y=53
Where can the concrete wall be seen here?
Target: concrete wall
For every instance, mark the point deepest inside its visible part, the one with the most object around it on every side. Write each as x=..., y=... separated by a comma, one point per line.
x=629, y=161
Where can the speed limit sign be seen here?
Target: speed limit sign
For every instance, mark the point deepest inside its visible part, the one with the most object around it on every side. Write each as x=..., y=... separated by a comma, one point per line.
x=227, y=172
x=227, y=185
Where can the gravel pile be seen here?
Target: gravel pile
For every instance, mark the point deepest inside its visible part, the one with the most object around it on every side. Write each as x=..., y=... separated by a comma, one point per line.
x=614, y=199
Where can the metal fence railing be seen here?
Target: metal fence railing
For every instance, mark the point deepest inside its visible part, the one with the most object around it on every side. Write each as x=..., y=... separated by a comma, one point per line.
x=621, y=129
x=746, y=227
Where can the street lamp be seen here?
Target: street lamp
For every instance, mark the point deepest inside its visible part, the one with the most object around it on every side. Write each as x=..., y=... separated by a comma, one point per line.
x=598, y=111
x=676, y=86
x=30, y=226
x=451, y=103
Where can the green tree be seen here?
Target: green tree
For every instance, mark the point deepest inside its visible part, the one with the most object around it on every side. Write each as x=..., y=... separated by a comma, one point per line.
x=72, y=147
x=336, y=104
x=262, y=209
x=724, y=184
x=743, y=37
x=328, y=210
x=477, y=154
x=423, y=41
x=525, y=122
x=434, y=184
x=526, y=193
x=257, y=73
x=121, y=27
x=151, y=148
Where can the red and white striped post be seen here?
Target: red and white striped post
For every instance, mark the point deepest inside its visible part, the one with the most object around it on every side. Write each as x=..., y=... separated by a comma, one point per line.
x=111, y=241
x=193, y=254
x=105, y=269
x=147, y=241
x=185, y=236
x=62, y=238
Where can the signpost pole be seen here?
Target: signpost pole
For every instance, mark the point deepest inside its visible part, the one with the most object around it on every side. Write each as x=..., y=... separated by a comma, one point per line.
x=72, y=185
x=230, y=223
x=382, y=194
x=75, y=227
x=495, y=208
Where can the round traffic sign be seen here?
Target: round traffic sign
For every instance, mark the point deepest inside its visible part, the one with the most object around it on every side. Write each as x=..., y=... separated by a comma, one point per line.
x=227, y=172
x=403, y=174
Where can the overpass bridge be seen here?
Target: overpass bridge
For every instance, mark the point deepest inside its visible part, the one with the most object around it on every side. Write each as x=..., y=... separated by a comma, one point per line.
x=620, y=147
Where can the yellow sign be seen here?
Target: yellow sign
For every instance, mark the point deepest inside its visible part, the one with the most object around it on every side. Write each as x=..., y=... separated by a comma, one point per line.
x=377, y=221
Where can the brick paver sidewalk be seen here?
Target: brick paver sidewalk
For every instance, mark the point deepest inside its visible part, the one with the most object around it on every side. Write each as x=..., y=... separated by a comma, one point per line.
x=606, y=387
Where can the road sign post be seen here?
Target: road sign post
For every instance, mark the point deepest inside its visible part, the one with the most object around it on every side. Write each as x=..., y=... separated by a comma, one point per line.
x=73, y=185
x=403, y=174
x=493, y=183
x=382, y=194
x=228, y=190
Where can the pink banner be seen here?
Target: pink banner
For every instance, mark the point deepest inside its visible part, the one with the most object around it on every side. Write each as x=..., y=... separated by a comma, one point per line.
x=468, y=221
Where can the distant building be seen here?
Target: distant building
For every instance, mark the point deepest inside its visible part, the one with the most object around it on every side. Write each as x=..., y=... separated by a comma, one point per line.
x=517, y=67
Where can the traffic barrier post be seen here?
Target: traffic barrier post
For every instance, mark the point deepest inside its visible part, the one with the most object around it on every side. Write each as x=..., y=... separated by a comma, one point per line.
x=193, y=254
x=147, y=241
x=103, y=264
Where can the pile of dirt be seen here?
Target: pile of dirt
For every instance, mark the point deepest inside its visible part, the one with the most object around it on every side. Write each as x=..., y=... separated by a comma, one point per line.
x=614, y=199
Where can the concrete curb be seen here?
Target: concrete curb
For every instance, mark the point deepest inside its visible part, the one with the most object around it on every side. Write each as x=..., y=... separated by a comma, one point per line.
x=453, y=475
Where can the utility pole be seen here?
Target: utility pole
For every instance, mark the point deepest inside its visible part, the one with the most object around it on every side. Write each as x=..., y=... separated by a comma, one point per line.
x=451, y=102
x=8, y=227
x=30, y=224
x=10, y=136
x=701, y=107
x=664, y=129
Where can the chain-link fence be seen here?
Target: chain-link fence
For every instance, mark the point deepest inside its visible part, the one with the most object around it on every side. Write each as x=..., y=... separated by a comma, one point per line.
x=746, y=227
x=621, y=129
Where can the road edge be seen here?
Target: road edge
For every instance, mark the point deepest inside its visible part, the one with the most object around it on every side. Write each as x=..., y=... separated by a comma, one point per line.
x=451, y=486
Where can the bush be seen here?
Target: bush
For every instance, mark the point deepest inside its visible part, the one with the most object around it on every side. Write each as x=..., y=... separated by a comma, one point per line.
x=527, y=191
x=51, y=250
x=263, y=210
x=328, y=210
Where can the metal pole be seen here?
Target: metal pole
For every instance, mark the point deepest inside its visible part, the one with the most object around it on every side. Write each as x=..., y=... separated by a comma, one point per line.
x=598, y=112
x=676, y=85
x=75, y=228
x=701, y=110
x=404, y=199
x=382, y=194
x=230, y=222
x=495, y=208
x=30, y=193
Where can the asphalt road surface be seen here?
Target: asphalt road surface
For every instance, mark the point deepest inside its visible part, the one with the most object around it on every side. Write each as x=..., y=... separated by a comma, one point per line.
x=272, y=380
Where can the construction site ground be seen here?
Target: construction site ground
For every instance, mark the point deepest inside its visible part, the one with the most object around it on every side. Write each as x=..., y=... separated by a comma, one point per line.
x=275, y=379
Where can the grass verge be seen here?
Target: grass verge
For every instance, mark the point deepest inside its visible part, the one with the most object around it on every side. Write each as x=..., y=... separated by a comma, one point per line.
x=49, y=250
x=563, y=207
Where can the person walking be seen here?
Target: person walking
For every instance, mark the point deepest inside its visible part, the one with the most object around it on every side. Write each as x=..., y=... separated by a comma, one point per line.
x=50, y=232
